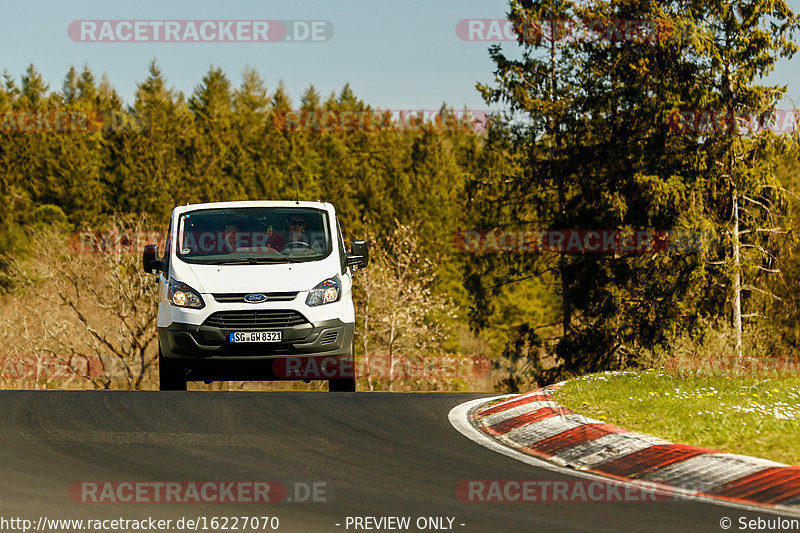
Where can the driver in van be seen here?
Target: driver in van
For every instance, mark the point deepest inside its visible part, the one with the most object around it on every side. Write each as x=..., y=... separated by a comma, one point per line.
x=297, y=231
x=297, y=228
x=295, y=234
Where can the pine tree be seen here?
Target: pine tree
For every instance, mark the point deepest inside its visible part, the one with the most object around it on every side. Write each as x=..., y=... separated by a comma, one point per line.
x=742, y=42
x=33, y=91
x=251, y=106
x=599, y=155
x=69, y=89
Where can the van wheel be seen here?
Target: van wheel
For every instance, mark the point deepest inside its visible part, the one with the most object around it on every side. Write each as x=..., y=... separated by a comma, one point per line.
x=342, y=385
x=170, y=374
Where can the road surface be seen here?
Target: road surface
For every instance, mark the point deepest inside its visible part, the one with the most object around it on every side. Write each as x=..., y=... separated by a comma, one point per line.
x=369, y=454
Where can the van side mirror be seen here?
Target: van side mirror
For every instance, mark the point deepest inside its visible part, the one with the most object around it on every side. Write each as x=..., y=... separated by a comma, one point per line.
x=150, y=263
x=359, y=255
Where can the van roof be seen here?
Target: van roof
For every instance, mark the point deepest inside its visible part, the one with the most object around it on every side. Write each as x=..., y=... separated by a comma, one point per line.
x=255, y=203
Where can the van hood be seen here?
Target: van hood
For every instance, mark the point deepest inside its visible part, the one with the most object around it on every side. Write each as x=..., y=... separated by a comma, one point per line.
x=286, y=277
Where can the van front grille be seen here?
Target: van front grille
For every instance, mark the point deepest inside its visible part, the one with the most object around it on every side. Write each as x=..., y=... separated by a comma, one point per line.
x=238, y=297
x=260, y=319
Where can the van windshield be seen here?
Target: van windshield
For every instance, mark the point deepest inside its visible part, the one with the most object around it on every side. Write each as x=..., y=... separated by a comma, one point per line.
x=252, y=235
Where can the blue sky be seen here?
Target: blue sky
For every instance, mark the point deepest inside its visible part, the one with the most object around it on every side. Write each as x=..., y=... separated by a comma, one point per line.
x=401, y=55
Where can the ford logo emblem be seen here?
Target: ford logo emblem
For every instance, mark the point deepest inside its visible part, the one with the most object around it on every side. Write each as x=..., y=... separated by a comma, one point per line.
x=255, y=298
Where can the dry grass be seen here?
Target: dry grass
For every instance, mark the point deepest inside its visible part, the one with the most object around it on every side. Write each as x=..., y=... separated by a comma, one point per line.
x=87, y=321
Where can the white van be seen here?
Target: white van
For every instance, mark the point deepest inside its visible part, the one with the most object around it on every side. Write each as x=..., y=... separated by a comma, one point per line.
x=255, y=290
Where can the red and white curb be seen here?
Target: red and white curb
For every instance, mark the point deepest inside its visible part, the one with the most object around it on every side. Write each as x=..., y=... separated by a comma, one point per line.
x=547, y=435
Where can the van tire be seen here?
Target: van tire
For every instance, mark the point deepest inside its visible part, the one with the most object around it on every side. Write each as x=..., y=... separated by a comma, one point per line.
x=170, y=375
x=344, y=384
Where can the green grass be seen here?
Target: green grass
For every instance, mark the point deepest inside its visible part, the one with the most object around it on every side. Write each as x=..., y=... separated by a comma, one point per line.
x=740, y=414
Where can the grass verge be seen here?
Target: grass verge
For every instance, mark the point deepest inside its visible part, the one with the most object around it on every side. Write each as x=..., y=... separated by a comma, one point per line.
x=740, y=414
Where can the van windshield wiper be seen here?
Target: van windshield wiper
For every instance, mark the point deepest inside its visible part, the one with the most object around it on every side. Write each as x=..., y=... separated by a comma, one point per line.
x=256, y=261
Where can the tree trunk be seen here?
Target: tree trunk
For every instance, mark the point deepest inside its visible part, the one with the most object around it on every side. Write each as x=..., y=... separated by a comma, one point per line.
x=555, y=172
x=737, y=277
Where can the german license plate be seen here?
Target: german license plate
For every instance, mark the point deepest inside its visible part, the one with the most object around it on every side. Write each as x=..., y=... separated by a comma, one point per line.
x=254, y=336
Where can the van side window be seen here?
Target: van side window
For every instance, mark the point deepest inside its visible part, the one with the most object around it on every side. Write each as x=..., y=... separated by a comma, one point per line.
x=342, y=251
x=167, y=246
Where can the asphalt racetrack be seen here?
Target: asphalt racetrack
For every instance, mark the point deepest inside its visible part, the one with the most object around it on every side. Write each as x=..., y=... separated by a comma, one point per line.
x=366, y=455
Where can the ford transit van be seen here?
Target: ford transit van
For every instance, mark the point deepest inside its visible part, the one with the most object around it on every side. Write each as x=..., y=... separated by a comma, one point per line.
x=255, y=290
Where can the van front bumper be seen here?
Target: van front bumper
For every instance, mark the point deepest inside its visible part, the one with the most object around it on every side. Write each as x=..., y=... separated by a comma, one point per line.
x=306, y=351
x=191, y=341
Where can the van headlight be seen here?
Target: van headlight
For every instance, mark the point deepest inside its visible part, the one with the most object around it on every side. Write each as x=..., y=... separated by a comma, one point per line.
x=326, y=292
x=181, y=295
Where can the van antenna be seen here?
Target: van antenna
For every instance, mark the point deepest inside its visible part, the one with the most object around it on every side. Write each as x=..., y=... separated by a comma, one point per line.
x=297, y=190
